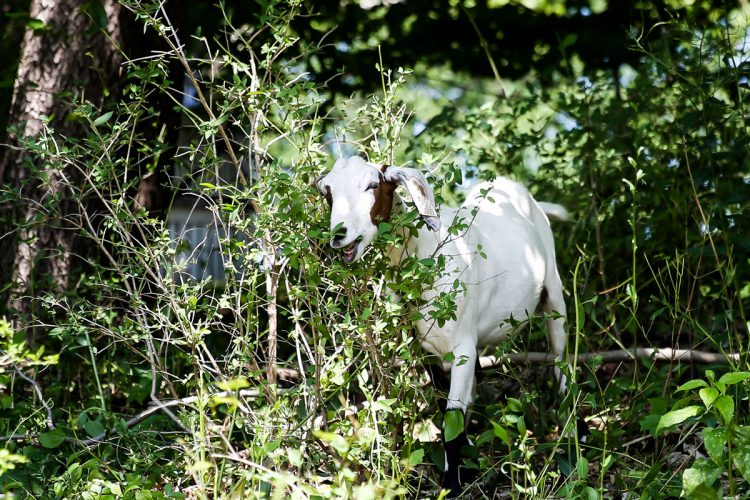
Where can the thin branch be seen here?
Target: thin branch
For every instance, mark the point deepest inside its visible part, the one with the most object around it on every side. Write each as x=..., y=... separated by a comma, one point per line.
x=272, y=286
x=39, y=393
x=176, y=47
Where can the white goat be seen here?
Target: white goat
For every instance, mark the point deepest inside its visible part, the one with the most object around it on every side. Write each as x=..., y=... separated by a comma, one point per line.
x=518, y=274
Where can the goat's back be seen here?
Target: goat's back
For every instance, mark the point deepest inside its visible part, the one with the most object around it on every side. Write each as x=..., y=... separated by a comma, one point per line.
x=502, y=258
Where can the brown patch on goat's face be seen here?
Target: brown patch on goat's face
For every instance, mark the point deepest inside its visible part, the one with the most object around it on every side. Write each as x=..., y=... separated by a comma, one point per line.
x=328, y=196
x=381, y=209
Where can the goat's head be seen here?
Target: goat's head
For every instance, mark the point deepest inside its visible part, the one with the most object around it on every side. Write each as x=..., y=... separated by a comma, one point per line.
x=361, y=196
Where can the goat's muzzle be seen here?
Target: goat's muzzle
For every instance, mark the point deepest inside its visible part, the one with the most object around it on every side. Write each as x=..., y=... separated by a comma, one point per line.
x=350, y=251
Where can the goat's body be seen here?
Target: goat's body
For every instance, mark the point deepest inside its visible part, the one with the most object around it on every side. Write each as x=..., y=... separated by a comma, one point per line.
x=508, y=226
x=502, y=263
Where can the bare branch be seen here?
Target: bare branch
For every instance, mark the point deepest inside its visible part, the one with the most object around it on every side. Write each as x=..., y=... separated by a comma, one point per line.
x=655, y=353
x=618, y=356
x=140, y=417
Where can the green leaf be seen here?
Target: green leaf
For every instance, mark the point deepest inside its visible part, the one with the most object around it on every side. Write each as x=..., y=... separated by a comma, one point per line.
x=453, y=424
x=484, y=438
x=500, y=432
x=591, y=493
x=52, y=439
x=692, y=384
x=650, y=423
x=708, y=395
x=103, y=119
x=734, y=378
x=521, y=426
x=515, y=405
x=741, y=453
x=725, y=405
x=271, y=446
x=216, y=400
x=703, y=492
x=94, y=428
x=114, y=488
x=714, y=439
x=384, y=228
x=582, y=467
x=703, y=472
x=366, y=312
x=95, y=10
x=678, y=416
x=416, y=457
x=384, y=405
x=337, y=442
x=35, y=24
x=569, y=40
x=234, y=384
x=295, y=456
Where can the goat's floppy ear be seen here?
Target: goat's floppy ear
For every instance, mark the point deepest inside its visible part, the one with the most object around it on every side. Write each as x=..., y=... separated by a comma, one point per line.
x=419, y=190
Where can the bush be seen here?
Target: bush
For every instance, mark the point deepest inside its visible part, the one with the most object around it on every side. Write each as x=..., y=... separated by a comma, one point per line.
x=296, y=375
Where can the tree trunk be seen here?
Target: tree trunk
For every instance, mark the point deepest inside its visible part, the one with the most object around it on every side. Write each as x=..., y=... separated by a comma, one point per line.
x=68, y=59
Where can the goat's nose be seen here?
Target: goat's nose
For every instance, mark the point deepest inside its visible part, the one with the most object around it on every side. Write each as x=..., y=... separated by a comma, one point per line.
x=339, y=236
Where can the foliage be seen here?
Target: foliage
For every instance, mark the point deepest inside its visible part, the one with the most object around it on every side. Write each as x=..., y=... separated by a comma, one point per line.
x=161, y=383
x=506, y=38
x=717, y=408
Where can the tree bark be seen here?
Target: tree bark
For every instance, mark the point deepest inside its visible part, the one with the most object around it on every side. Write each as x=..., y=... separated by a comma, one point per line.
x=69, y=59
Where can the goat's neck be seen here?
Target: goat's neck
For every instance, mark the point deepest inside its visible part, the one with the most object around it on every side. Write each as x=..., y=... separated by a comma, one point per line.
x=411, y=243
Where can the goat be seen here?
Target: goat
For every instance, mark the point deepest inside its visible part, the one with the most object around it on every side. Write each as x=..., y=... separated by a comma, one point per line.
x=518, y=274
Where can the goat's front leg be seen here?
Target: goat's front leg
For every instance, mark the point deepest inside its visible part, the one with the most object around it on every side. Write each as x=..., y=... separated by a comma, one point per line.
x=459, y=398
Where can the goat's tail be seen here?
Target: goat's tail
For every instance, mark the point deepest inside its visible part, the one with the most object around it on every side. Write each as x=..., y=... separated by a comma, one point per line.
x=554, y=211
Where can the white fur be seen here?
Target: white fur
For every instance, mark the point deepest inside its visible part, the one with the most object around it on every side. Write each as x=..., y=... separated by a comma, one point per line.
x=510, y=227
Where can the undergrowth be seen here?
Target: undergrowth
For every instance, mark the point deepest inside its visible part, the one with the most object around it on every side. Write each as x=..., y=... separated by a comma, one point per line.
x=296, y=375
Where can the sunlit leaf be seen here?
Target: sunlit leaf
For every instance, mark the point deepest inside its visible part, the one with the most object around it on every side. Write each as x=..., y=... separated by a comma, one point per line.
x=234, y=384
x=715, y=439
x=708, y=395
x=734, y=378
x=677, y=417
x=703, y=472
x=692, y=384
x=725, y=405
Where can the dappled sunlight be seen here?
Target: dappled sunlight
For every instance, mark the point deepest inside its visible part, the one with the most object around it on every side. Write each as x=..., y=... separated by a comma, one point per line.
x=232, y=266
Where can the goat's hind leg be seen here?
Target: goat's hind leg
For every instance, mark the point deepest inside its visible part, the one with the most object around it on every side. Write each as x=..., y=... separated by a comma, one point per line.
x=553, y=304
x=459, y=399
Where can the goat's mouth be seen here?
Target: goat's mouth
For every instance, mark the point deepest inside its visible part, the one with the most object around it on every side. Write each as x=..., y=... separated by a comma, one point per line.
x=350, y=251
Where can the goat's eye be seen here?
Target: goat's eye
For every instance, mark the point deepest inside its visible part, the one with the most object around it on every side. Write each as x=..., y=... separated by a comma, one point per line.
x=373, y=185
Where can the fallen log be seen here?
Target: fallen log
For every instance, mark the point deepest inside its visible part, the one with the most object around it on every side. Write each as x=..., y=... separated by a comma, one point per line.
x=618, y=356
